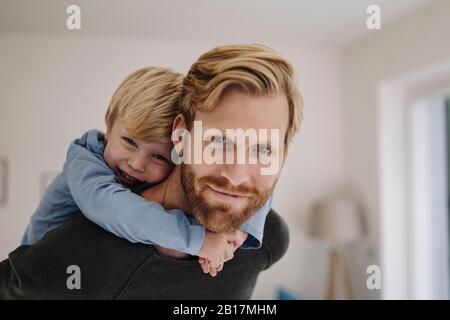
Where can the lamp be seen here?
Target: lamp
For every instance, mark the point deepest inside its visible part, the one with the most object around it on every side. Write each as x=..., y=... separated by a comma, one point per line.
x=337, y=220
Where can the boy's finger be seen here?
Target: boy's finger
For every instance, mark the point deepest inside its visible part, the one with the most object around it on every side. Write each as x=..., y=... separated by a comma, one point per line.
x=220, y=268
x=205, y=267
x=213, y=271
x=214, y=261
x=217, y=262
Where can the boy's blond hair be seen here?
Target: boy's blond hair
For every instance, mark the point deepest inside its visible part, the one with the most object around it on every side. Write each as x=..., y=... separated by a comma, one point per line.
x=253, y=69
x=146, y=102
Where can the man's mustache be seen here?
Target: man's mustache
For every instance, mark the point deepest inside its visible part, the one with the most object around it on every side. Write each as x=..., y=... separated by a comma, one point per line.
x=223, y=185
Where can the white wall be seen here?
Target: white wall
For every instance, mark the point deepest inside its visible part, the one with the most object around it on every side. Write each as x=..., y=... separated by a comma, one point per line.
x=416, y=42
x=53, y=88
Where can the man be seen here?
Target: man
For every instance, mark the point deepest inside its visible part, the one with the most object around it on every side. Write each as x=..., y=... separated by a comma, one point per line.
x=228, y=91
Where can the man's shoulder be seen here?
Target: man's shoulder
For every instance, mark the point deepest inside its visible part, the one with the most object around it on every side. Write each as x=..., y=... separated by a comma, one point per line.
x=85, y=238
x=276, y=237
x=43, y=269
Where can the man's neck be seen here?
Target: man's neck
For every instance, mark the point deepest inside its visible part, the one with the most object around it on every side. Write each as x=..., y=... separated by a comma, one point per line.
x=169, y=193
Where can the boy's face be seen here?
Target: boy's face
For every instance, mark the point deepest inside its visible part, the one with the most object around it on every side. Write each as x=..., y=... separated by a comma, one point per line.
x=135, y=161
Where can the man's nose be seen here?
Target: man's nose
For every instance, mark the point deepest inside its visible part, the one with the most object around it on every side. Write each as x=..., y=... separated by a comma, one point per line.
x=237, y=174
x=137, y=163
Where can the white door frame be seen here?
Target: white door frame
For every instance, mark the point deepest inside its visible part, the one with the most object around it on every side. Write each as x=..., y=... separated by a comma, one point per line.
x=402, y=206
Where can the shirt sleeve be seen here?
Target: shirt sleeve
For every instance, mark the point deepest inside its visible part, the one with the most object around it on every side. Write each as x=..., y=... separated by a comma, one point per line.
x=255, y=226
x=107, y=203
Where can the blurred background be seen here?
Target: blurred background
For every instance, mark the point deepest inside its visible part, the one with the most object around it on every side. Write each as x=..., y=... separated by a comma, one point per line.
x=365, y=187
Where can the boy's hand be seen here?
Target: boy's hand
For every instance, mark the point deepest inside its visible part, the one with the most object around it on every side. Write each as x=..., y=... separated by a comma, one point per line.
x=211, y=259
x=241, y=237
x=206, y=267
x=216, y=248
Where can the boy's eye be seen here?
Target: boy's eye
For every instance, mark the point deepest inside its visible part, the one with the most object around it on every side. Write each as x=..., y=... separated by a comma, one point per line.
x=160, y=157
x=130, y=142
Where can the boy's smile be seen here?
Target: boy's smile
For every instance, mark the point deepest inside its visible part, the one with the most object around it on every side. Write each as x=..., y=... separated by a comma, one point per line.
x=135, y=161
x=126, y=179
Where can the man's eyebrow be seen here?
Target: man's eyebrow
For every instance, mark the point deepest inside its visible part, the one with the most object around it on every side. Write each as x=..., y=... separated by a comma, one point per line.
x=206, y=127
x=266, y=142
x=212, y=133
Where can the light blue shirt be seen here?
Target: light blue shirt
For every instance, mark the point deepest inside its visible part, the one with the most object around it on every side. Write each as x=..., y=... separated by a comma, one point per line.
x=88, y=184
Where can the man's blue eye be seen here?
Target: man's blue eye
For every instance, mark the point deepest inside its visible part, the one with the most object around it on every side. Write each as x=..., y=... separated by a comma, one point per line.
x=131, y=142
x=264, y=150
x=218, y=139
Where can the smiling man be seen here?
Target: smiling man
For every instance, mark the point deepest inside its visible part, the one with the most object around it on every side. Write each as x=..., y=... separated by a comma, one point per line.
x=223, y=196
x=242, y=87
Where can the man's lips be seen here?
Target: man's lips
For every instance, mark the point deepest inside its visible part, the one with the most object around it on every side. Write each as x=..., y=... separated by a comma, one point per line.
x=231, y=194
x=126, y=179
x=226, y=196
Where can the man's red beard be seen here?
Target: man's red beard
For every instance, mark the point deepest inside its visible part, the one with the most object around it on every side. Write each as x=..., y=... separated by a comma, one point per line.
x=220, y=217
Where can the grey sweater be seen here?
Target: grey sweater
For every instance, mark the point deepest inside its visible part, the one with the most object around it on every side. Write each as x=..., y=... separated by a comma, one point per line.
x=113, y=268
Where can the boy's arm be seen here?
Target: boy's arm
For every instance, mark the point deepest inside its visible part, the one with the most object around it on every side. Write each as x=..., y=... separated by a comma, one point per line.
x=255, y=226
x=107, y=203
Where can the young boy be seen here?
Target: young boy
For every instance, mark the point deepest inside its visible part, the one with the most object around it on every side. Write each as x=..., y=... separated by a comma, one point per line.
x=101, y=170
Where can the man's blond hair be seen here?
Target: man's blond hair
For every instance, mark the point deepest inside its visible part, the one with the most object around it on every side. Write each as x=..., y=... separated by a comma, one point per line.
x=253, y=69
x=146, y=102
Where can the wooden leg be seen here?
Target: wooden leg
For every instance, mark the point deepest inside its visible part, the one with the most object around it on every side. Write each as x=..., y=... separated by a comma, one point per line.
x=332, y=267
x=347, y=283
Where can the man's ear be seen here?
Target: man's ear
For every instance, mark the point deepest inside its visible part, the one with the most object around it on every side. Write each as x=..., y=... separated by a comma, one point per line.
x=178, y=137
x=179, y=122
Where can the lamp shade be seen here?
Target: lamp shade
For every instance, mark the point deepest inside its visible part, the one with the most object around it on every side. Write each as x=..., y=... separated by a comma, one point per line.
x=336, y=219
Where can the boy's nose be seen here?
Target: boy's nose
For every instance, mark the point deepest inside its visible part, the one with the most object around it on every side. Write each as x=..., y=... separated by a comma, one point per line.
x=136, y=164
